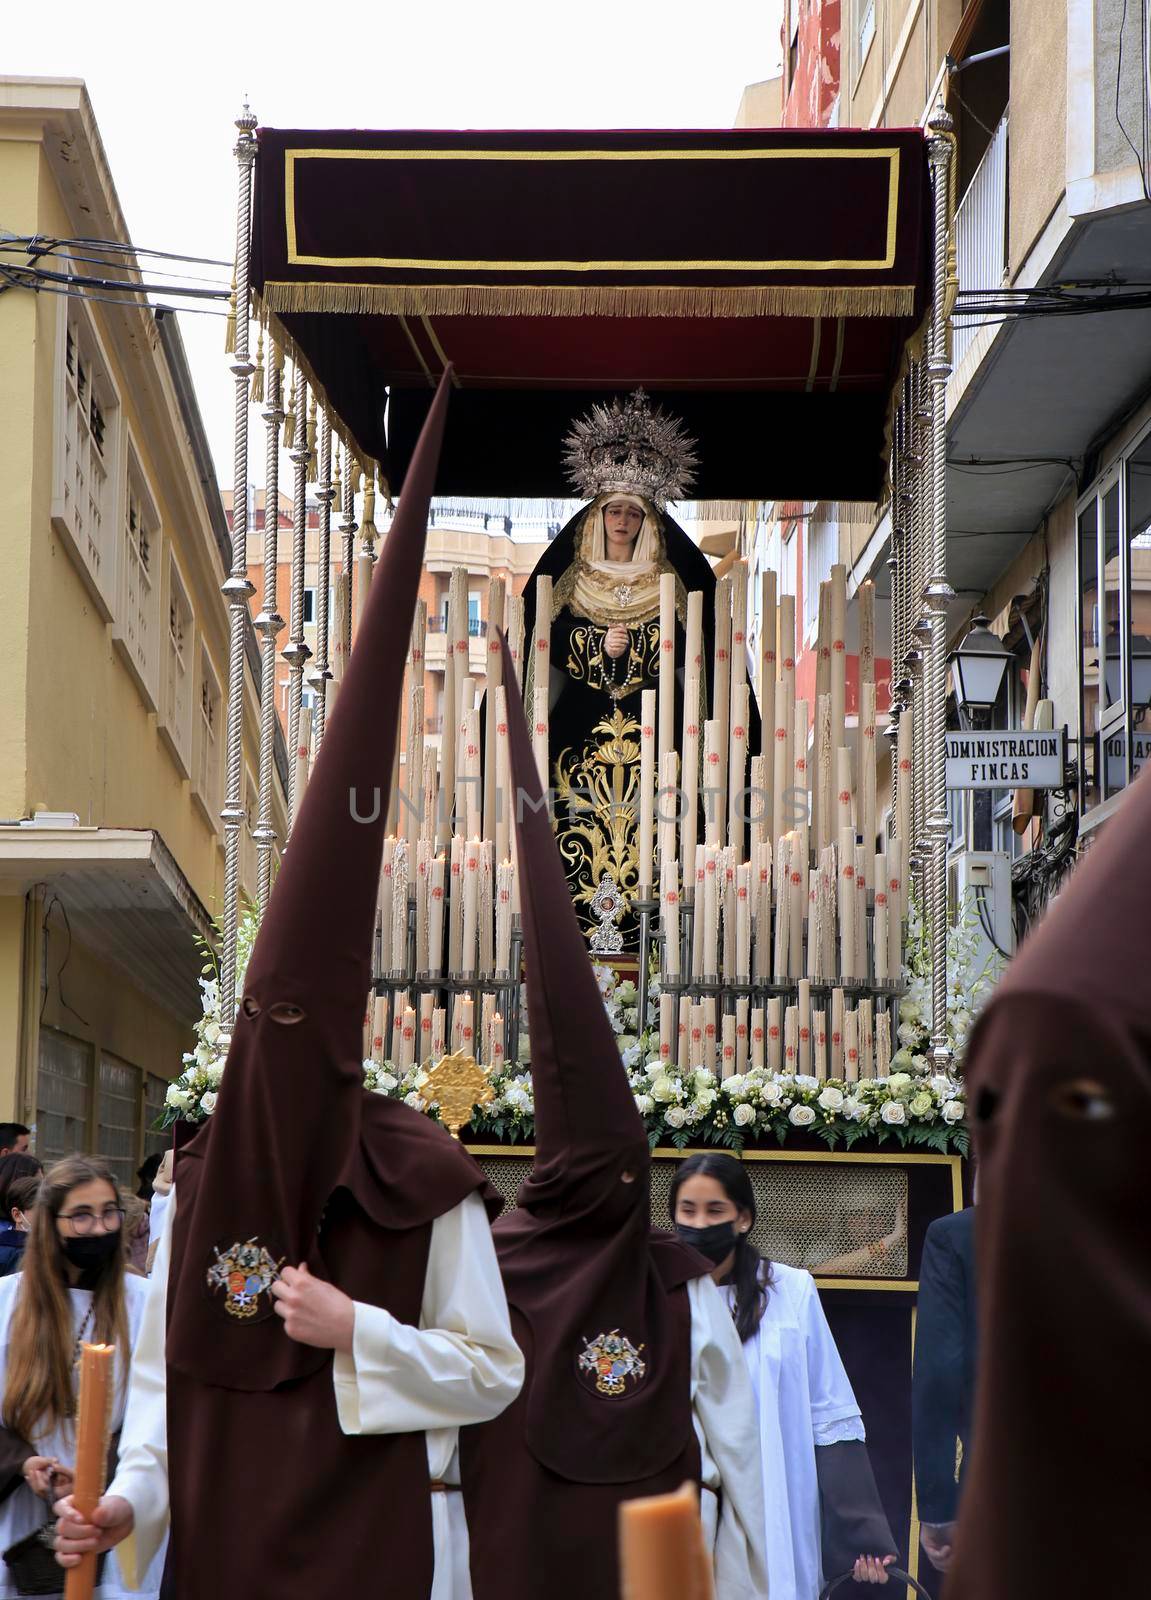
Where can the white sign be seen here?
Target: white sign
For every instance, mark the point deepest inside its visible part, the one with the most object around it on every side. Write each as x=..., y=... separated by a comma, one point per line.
x=1006, y=759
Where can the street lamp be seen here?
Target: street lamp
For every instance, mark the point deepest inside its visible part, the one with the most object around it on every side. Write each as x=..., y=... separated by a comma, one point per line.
x=978, y=668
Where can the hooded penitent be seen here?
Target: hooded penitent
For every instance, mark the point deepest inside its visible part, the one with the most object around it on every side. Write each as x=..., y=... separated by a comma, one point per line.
x=1059, y=1082
x=599, y=1299
x=301, y=1164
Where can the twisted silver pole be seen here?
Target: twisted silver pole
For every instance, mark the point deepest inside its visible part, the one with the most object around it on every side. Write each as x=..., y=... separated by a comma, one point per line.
x=321, y=670
x=938, y=592
x=296, y=651
x=236, y=588
x=268, y=625
x=348, y=533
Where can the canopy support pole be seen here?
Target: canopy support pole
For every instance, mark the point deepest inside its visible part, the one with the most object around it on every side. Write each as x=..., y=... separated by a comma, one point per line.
x=321, y=670
x=268, y=625
x=296, y=651
x=938, y=592
x=236, y=588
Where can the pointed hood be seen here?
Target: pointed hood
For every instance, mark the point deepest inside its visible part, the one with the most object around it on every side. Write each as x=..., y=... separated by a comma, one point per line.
x=585, y=1113
x=579, y=1257
x=287, y=1130
x=1059, y=1091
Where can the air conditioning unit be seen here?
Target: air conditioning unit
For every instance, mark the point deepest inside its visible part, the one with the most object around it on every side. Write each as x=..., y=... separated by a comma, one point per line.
x=979, y=888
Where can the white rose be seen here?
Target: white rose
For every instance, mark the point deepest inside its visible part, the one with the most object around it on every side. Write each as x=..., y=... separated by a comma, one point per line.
x=942, y=1084
x=676, y=1116
x=210, y=1032
x=663, y=1089
x=831, y=1099
x=706, y=1098
x=953, y=1111
x=893, y=1111
x=630, y=1056
x=216, y=1075
x=801, y=1116
x=921, y=1105
x=854, y=1110
x=208, y=1103
x=416, y=1101
x=734, y=1085
x=644, y=1104
x=177, y=1097
x=898, y=1080
x=771, y=1093
x=743, y=1114
x=804, y=1080
x=518, y=1098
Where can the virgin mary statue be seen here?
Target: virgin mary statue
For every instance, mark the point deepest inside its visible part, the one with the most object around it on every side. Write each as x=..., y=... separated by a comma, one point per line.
x=629, y=460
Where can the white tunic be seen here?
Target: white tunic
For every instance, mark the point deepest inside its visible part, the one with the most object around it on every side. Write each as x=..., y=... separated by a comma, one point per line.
x=803, y=1399
x=723, y=1410
x=460, y=1365
x=24, y=1511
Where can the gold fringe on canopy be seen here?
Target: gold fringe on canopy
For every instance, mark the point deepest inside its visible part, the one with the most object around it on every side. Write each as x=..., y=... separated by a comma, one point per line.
x=592, y=300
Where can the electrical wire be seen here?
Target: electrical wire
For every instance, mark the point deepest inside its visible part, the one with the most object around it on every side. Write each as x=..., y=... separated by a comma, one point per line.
x=48, y=242
x=1141, y=156
x=7, y=247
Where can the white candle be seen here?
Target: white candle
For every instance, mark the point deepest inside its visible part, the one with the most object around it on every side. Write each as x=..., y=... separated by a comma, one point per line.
x=904, y=780
x=713, y=796
x=487, y=1012
x=540, y=726
x=689, y=823
x=379, y=1028
x=455, y=907
x=667, y=806
x=504, y=918
x=710, y=913
x=487, y=908
x=851, y=1046
x=669, y=898
x=838, y=653
x=683, y=1035
x=721, y=689
x=791, y=1039
x=743, y=924
x=805, y=1026
x=882, y=1044
x=758, y=1038
x=847, y=961
x=894, y=921
x=742, y=1033
x=738, y=807
x=710, y=1043
x=775, y=1033
x=465, y=1015
x=502, y=796
x=880, y=938
x=666, y=664
x=728, y=1052
x=647, y=751
x=436, y=916
x=667, y=1029
x=866, y=776
x=835, y=1040
x=515, y=633
x=695, y=1052
x=496, y=1052
x=427, y=1010
x=408, y=1039
x=471, y=877
x=700, y=894
x=385, y=903
x=819, y=1044
x=423, y=943
x=439, y=1033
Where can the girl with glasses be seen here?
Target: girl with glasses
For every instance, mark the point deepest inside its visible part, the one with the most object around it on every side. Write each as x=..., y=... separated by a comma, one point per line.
x=73, y=1289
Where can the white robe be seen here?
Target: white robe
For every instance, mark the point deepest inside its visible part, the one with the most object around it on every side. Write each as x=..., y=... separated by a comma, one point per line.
x=803, y=1399
x=723, y=1411
x=461, y=1365
x=24, y=1511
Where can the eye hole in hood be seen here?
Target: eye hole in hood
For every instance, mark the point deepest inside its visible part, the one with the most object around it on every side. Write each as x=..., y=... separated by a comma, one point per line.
x=286, y=1013
x=1083, y=1100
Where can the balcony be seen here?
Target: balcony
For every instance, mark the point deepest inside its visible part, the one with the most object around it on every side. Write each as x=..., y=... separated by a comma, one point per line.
x=981, y=248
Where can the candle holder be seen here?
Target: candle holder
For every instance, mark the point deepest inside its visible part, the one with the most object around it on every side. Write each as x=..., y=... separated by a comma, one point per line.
x=645, y=908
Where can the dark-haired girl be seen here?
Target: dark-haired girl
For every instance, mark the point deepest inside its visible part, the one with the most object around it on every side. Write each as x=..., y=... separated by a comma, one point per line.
x=72, y=1289
x=823, y=1509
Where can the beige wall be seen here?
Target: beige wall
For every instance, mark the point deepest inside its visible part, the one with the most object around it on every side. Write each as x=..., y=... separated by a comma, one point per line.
x=1037, y=166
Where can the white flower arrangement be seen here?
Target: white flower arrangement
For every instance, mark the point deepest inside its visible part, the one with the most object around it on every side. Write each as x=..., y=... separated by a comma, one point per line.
x=691, y=1107
x=967, y=988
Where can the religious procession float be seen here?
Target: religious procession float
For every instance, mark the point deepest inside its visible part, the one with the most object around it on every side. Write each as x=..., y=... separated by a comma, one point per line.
x=754, y=836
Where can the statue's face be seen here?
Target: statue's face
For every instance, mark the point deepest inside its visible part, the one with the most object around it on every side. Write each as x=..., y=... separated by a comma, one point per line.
x=622, y=522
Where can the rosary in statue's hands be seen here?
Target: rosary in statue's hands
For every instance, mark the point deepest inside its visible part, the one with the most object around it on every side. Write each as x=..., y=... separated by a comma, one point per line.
x=314, y=1312
x=616, y=641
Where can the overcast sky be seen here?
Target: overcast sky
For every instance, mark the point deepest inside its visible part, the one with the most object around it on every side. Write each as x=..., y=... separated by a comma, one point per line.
x=166, y=83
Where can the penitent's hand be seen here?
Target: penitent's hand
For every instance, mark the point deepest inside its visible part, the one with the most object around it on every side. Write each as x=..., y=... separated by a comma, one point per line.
x=872, y=1569
x=76, y=1535
x=314, y=1312
x=938, y=1540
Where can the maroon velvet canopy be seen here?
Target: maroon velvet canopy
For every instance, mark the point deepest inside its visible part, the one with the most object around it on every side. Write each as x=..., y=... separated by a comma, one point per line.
x=762, y=282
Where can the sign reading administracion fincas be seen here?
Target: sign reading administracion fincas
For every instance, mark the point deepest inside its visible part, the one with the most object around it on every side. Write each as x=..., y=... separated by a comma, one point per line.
x=1011, y=759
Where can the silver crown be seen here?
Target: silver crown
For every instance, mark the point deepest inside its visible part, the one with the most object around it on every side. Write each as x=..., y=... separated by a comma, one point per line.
x=629, y=448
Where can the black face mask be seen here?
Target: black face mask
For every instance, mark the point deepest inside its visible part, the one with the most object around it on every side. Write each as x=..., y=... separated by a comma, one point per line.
x=716, y=1242
x=90, y=1252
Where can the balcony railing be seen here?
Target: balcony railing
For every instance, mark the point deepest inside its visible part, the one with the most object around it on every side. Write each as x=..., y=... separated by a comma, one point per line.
x=477, y=628
x=981, y=236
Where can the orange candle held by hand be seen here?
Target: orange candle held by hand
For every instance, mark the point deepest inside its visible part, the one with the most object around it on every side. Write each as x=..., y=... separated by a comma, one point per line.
x=662, y=1550
x=93, y=1426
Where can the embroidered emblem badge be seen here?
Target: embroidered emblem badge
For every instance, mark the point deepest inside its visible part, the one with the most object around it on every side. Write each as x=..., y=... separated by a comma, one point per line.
x=245, y=1272
x=613, y=1361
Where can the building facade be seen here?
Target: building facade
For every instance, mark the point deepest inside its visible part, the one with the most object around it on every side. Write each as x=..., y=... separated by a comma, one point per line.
x=113, y=547
x=1049, y=401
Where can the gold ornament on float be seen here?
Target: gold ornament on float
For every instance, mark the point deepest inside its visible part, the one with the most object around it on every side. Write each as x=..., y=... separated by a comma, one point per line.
x=458, y=1084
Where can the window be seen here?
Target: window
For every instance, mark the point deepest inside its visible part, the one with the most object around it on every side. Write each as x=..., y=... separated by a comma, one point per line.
x=118, y=1107
x=1114, y=550
x=63, y=1095
x=136, y=624
x=310, y=604
x=210, y=733
x=865, y=12
x=155, y=1142
x=85, y=467
x=176, y=724
x=475, y=623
